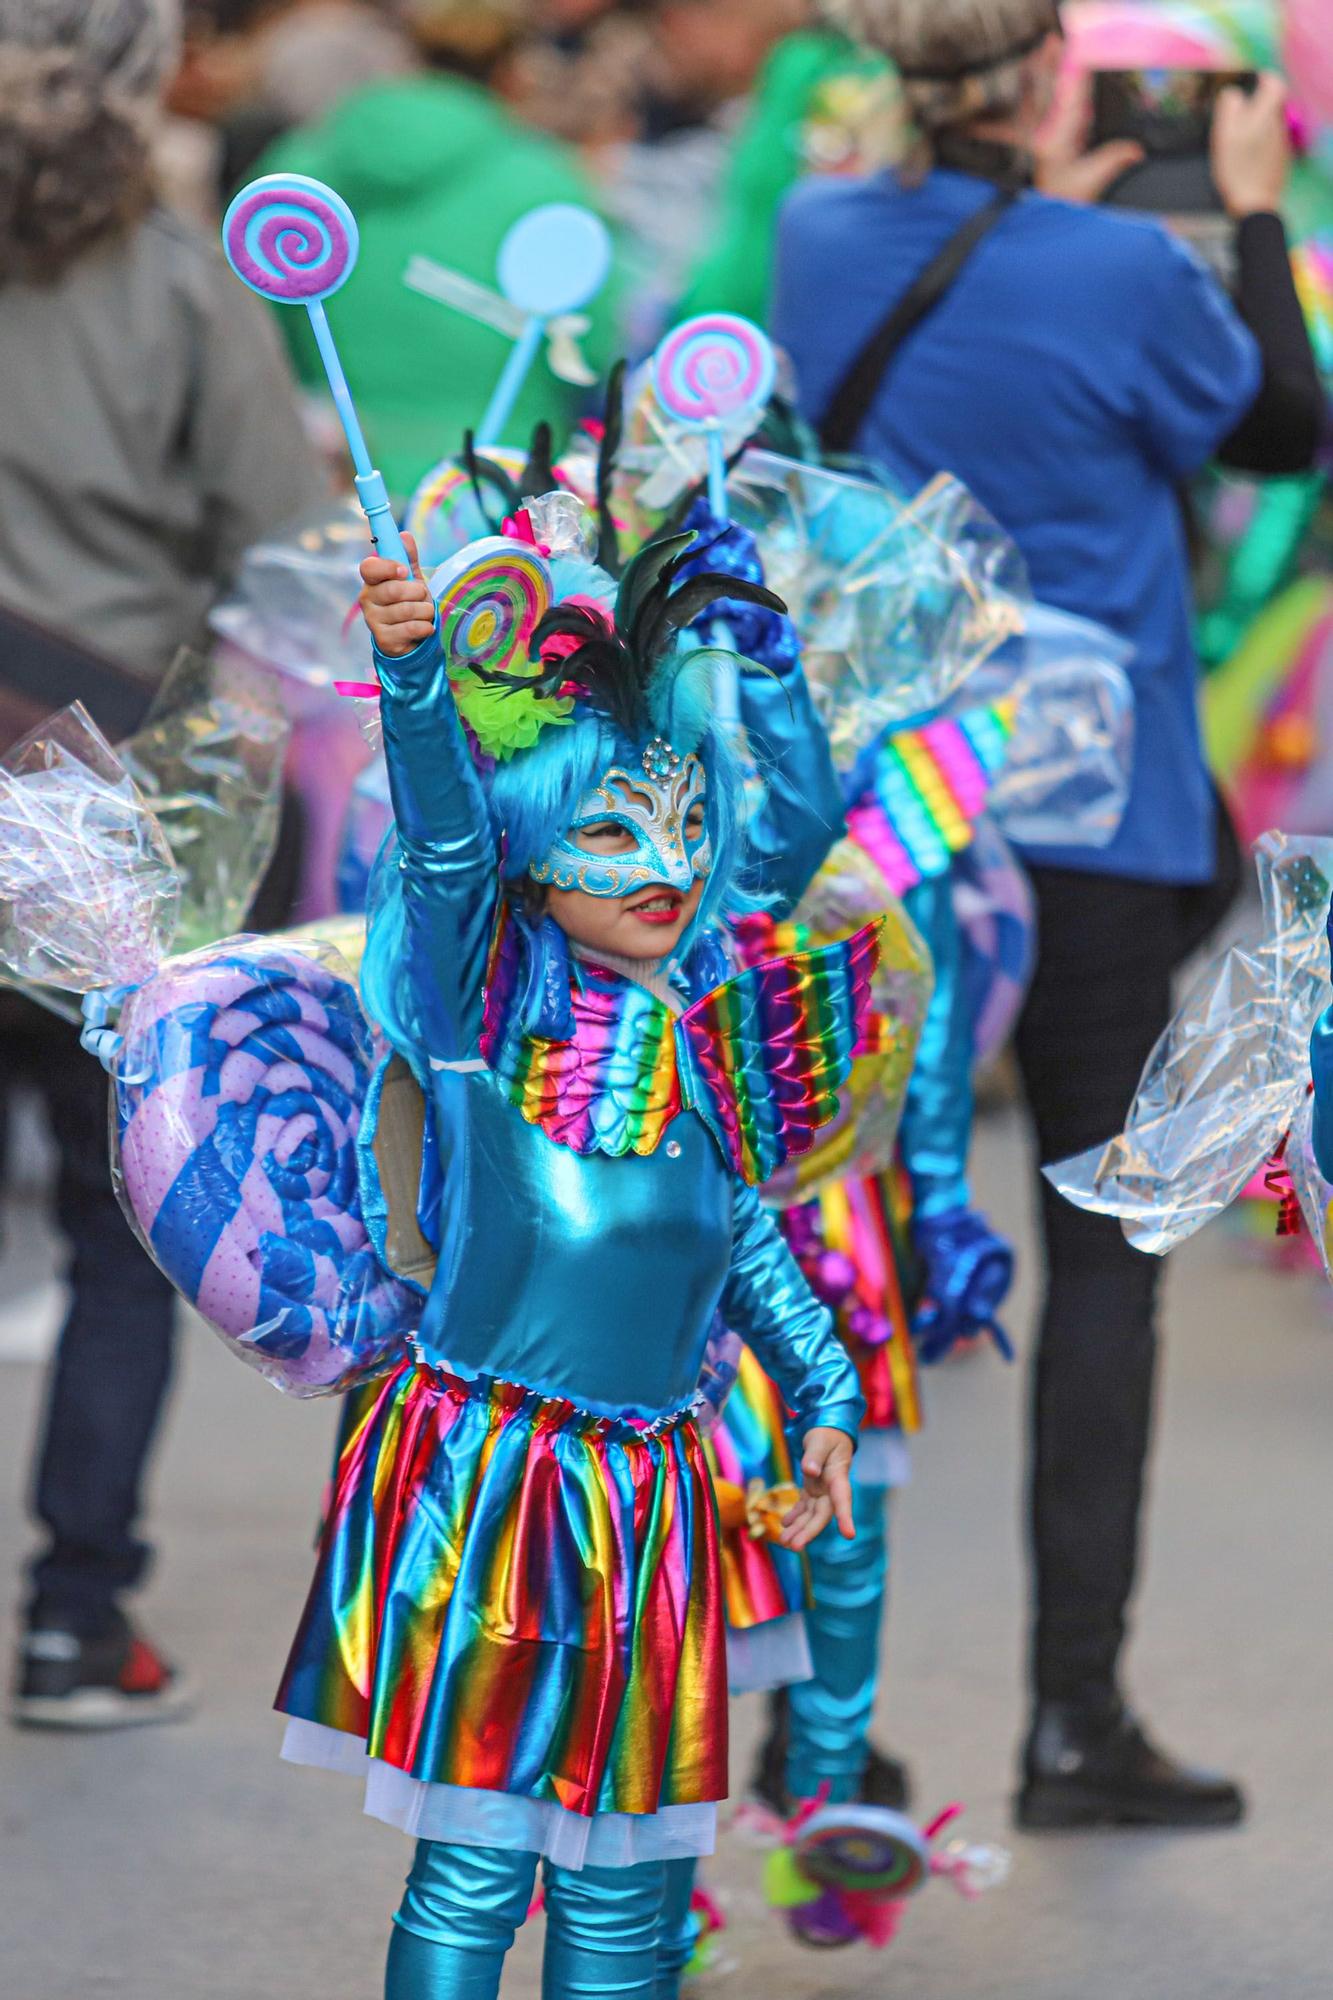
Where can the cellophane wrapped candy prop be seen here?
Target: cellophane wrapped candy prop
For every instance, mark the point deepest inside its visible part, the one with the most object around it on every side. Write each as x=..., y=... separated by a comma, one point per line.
x=208, y=762
x=1066, y=774
x=238, y=1076
x=1230, y=1076
x=896, y=601
x=294, y=605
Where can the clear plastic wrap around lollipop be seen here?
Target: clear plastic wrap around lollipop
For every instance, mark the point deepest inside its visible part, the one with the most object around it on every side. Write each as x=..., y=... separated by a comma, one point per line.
x=897, y=601
x=1066, y=774
x=239, y=1075
x=89, y=894
x=1229, y=1075
x=209, y=761
x=294, y=604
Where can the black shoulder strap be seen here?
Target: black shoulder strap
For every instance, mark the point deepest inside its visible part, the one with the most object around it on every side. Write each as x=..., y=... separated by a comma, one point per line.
x=850, y=402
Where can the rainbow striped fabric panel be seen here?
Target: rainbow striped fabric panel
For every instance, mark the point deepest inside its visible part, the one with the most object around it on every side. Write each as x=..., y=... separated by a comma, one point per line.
x=613, y=1087
x=767, y=1053
x=517, y=1596
x=930, y=788
x=761, y=1058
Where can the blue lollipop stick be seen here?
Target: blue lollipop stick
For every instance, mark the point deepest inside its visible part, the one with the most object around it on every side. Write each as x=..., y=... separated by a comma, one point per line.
x=293, y=240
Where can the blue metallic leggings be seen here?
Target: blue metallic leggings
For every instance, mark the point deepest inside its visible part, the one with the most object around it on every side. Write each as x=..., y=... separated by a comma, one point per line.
x=830, y=1715
x=463, y=1905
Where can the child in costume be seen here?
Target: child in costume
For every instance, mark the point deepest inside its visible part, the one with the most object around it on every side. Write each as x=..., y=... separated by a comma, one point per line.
x=515, y=1626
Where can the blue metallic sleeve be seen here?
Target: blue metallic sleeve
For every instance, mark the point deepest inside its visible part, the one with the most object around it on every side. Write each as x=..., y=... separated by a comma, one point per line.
x=802, y=815
x=968, y=1267
x=447, y=850
x=768, y=1303
x=937, y=1116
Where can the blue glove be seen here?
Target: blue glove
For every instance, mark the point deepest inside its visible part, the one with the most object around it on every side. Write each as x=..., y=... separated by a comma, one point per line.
x=968, y=1272
x=101, y=1009
x=765, y=637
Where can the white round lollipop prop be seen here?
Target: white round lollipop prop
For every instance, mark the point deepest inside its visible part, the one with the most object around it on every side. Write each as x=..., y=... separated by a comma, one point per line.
x=708, y=369
x=553, y=260
x=294, y=241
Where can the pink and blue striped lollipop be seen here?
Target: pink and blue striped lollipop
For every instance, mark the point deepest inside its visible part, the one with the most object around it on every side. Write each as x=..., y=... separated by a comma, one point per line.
x=708, y=369
x=294, y=241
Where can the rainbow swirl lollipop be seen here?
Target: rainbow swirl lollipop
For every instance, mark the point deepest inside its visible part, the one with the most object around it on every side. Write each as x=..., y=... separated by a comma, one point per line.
x=491, y=597
x=444, y=514
x=294, y=241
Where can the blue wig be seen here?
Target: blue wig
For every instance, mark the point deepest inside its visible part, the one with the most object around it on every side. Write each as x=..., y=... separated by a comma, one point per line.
x=639, y=676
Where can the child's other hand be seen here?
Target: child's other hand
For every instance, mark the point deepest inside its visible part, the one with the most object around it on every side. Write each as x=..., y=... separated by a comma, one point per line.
x=826, y=1460
x=396, y=603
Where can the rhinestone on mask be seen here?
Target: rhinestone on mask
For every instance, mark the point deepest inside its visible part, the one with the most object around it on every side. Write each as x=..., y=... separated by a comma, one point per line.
x=660, y=761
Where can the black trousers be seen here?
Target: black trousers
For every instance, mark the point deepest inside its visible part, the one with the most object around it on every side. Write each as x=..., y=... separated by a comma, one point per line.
x=113, y=1364
x=1100, y=997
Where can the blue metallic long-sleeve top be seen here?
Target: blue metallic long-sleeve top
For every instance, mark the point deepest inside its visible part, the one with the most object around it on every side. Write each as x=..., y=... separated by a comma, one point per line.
x=584, y=1276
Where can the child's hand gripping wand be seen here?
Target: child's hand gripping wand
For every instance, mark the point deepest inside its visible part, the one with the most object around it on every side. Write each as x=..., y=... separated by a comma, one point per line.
x=293, y=240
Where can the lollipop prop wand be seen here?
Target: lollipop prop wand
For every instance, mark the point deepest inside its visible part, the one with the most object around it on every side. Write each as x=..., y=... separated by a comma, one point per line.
x=717, y=474
x=507, y=390
x=294, y=241
x=553, y=260
x=706, y=370
x=370, y=488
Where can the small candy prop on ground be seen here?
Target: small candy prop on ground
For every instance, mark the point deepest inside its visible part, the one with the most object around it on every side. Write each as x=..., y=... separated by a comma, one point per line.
x=707, y=370
x=239, y=1070
x=294, y=241
x=553, y=261
x=844, y=1874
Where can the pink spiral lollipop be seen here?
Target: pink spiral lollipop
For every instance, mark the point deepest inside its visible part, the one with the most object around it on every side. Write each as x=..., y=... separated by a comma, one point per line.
x=290, y=238
x=712, y=367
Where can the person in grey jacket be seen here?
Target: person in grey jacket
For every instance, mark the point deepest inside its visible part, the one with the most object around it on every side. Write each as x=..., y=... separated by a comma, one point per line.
x=148, y=433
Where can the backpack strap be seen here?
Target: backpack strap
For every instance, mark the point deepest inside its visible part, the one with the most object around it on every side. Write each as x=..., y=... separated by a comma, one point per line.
x=851, y=401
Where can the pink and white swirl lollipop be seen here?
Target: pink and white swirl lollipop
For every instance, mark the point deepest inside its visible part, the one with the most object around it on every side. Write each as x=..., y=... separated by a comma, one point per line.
x=294, y=241
x=709, y=369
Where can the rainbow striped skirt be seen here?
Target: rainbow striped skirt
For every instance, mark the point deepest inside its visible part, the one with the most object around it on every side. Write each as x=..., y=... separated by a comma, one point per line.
x=516, y=1621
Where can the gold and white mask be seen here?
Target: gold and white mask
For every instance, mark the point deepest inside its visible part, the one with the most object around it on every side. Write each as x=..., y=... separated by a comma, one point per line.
x=655, y=805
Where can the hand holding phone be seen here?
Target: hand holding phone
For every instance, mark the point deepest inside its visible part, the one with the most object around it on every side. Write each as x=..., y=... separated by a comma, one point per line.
x=1250, y=147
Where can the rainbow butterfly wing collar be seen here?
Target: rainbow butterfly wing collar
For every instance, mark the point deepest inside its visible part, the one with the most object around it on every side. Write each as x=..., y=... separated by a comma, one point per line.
x=761, y=1058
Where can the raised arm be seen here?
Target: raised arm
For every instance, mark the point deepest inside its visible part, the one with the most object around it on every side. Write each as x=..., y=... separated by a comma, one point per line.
x=447, y=851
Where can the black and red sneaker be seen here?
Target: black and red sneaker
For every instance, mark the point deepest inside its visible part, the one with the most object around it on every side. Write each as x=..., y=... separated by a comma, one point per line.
x=112, y=1682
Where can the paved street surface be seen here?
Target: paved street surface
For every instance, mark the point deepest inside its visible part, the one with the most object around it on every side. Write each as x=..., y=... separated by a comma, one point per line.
x=186, y=1863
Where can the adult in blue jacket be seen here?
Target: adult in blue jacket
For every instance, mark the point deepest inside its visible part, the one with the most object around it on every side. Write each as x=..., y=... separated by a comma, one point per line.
x=1081, y=364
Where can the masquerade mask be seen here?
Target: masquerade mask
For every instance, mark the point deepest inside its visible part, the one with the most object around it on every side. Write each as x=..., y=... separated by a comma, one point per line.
x=655, y=806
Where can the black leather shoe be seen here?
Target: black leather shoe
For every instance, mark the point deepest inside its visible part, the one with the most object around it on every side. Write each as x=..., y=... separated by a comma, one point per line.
x=886, y=1782
x=1082, y=1767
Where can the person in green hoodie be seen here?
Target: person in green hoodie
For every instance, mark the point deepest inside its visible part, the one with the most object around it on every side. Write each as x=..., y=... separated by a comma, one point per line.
x=432, y=165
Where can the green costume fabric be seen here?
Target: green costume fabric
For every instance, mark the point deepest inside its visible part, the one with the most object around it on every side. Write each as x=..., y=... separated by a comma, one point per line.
x=436, y=167
x=800, y=82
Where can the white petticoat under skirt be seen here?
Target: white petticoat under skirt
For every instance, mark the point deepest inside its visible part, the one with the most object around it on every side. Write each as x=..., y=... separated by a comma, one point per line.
x=475, y=1818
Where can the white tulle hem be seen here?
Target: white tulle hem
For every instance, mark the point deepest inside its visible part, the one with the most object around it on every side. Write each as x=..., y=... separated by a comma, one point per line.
x=769, y=1656
x=476, y=1818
